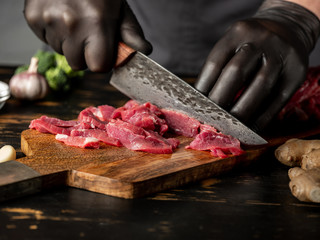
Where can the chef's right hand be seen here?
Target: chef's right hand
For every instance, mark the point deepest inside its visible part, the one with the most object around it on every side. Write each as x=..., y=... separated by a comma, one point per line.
x=87, y=32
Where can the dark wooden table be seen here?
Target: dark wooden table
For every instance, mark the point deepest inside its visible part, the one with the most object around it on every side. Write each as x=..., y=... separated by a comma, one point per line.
x=252, y=202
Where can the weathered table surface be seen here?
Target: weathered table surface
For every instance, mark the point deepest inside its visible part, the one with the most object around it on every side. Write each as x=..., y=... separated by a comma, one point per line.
x=248, y=203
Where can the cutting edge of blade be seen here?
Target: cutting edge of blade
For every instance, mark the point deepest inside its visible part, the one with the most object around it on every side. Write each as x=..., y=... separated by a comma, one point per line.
x=243, y=133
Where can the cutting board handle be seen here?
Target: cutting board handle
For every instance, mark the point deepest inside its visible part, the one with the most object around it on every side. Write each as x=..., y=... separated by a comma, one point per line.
x=124, y=54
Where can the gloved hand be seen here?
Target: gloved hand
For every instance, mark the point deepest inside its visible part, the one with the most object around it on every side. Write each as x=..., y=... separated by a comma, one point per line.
x=260, y=62
x=87, y=32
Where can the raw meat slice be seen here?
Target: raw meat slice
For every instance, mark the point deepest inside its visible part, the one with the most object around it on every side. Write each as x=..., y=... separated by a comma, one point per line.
x=78, y=141
x=99, y=134
x=81, y=125
x=173, y=142
x=142, y=116
x=138, y=139
x=117, y=113
x=219, y=144
x=137, y=127
x=128, y=105
x=154, y=109
x=305, y=103
x=88, y=116
x=105, y=112
x=58, y=122
x=37, y=125
x=181, y=123
x=131, y=104
x=46, y=127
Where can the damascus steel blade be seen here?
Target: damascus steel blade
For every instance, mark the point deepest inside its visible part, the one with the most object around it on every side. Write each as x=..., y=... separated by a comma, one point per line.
x=14, y=171
x=144, y=80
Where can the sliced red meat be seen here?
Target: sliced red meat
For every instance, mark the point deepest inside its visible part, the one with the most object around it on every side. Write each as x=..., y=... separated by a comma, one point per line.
x=46, y=127
x=81, y=125
x=181, y=123
x=102, y=112
x=305, y=103
x=142, y=116
x=117, y=113
x=219, y=144
x=128, y=105
x=138, y=127
x=88, y=117
x=78, y=141
x=37, y=124
x=105, y=112
x=138, y=139
x=131, y=104
x=58, y=122
x=94, y=110
x=154, y=109
x=173, y=142
x=99, y=134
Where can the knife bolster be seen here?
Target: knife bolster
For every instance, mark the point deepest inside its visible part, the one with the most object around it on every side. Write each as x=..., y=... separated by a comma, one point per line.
x=124, y=54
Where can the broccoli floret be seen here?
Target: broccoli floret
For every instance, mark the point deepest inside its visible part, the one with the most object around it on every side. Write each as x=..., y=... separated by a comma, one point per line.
x=62, y=63
x=46, y=61
x=21, y=69
x=55, y=68
x=57, y=79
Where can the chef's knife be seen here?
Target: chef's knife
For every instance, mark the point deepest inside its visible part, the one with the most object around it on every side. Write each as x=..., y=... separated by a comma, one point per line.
x=143, y=80
x=17, y=180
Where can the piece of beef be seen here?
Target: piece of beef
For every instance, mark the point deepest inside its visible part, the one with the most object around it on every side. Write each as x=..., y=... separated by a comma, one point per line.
x=219, y=144
x=156, y=137
x=46, y=127
x=145, y=115
x=142, y=116
x=99, y=134
x=154, y=109
x=305, y=103
x=78, y=141
x=58, y=122
x=105, y=112
x=128, y=105
x=138, y=127
x=138, y=139
x=181, y=123
x=87, y=116
x=131, y=104
x=81, y=125
x=117, y=113
x=102, y=112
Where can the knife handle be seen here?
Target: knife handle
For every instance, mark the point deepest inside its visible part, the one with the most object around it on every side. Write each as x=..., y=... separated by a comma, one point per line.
x=124, y=54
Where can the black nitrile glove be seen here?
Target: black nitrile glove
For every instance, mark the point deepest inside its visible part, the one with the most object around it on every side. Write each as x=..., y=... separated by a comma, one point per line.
x=87, y=32
x=260, y=62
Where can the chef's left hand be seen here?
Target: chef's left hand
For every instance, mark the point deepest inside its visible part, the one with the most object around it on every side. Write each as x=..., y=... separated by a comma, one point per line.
x=260, y=62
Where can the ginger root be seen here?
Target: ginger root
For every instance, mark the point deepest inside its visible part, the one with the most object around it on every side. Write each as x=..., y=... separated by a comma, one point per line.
x=292, y=151
x=304, y=157
x=311, y=160
x=295, y=172
x=305, y=184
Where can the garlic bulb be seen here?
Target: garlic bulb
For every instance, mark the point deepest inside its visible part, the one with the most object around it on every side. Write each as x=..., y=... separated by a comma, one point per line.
x=29, y=85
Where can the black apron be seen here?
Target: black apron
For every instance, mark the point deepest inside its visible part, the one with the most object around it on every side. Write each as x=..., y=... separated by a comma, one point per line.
x=183, y=32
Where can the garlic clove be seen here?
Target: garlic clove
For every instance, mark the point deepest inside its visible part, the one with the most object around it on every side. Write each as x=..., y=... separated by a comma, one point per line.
x=7, y=153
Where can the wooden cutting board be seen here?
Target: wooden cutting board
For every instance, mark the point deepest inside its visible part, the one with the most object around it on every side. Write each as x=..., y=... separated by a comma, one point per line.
x=120, y=172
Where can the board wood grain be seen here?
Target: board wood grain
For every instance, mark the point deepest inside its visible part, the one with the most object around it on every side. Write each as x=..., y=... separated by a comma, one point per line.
x=120, y=172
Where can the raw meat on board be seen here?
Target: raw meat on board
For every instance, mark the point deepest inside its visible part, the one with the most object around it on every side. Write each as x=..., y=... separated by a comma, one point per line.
x=139, y=127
